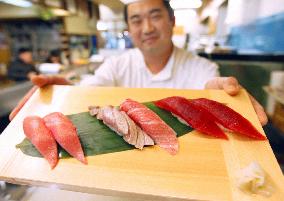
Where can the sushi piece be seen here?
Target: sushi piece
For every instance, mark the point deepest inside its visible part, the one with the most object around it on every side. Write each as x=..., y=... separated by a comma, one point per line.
x=111, y=117
x=228, y=118
x=119, y=122
x=41, y=137
x=196, y=117
x=65, y=134
x=132, y=135
x=142, y=138
x=152, y=124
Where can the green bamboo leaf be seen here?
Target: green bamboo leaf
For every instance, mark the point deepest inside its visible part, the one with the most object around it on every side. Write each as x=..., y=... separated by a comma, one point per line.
x=96, y=138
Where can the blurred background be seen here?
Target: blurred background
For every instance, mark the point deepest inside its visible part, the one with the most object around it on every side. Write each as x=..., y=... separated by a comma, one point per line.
x=73, y=37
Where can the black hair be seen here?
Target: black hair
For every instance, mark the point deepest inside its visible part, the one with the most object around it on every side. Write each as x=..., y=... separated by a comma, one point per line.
x=23, y=50
x=55, y=53
x=166, y=4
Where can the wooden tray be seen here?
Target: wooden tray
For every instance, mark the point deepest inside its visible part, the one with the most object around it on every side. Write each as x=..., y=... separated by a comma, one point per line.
x=204, y=169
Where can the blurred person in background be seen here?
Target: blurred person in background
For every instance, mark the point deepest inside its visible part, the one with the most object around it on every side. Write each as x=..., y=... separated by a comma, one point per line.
x=22, y=68
x=54, y=57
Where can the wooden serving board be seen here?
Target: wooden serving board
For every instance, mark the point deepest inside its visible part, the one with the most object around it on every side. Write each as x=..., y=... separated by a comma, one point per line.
x=204, y=168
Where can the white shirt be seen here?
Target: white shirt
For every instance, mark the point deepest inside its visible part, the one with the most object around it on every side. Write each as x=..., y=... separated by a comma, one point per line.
x=183, y=71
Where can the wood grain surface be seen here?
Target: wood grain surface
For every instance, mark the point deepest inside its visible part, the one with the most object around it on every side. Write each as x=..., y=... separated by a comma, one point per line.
x=204, y=168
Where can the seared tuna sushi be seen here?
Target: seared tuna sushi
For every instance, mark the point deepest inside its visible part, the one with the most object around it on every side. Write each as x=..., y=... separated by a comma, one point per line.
x=119, y=122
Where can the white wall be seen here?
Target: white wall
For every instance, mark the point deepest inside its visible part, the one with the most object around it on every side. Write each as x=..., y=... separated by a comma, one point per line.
x=190, y=21
x=242, y=11
x=246, y=11
x=270, y=7
x=112, y=21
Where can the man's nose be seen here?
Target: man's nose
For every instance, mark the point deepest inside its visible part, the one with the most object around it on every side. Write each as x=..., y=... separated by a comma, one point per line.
x=147, y=26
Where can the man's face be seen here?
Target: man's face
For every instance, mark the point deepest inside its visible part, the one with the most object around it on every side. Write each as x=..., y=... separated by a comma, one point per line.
x=150, y=25
x=26, y=57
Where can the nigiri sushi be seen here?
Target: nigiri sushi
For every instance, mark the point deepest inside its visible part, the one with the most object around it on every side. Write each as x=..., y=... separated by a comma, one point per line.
x=41, y=137
x=196, y=117
x=152, y=124
x=119, y=122
x=65, y=134
x=228, y=118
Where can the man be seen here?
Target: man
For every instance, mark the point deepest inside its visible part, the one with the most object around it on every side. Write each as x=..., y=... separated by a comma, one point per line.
x=22, y=68
x=156, y=62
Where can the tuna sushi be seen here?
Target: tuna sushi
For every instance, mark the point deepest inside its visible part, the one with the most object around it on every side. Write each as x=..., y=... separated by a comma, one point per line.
x=196, y=117
x=152, y=124
x=41, y=137
x=65, y=134
x=119, y=122
x=228, y=118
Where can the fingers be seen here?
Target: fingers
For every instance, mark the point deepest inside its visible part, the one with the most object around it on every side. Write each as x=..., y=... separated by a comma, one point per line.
x=229, y=84
x=43, y=80
x=22, y=103
x=58, y=80
x=39, y=81
x=262, y=117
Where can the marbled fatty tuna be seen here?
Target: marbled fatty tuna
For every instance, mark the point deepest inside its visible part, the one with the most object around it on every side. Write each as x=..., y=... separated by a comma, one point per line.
x=152, y=125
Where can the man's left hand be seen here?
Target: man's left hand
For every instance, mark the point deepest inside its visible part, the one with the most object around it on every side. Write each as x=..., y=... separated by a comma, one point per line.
x=232, y=87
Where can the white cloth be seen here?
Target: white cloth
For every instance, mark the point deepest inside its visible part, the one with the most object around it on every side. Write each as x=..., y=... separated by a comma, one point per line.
x=183, y=71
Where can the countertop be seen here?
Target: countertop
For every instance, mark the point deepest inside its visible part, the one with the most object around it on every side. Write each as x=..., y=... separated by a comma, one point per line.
x=244, y=57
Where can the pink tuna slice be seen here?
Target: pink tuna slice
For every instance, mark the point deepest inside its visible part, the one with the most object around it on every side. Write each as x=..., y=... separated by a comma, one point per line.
x=41, y=137
x=65, y=134
x=152, y=125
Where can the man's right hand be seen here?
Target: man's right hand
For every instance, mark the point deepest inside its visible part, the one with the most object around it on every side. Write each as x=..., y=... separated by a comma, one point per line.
x=38, y=81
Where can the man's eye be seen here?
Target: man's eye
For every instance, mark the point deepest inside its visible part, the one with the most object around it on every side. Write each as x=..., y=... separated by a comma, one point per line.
x=156, y=17
x=136, y=22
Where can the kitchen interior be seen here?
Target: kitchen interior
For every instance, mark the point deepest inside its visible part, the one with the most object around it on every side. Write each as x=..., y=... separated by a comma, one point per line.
x=244, y=37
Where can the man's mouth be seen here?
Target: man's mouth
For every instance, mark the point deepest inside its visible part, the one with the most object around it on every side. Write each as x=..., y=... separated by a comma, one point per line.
x=150, y=39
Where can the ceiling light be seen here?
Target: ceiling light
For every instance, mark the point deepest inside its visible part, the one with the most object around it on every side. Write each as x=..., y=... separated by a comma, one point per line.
x=128, y=1
x=20, y=3
x=102, y=26
x=185, y=4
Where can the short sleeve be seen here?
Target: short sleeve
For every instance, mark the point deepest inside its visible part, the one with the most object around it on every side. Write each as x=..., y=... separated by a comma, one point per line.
x=104, y=75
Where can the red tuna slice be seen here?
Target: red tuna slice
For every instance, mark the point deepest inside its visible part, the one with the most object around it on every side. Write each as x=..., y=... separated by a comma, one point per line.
x=151, y=124
x=229, y=118
x=37, y=132
x=65, y=134
x=196, y=117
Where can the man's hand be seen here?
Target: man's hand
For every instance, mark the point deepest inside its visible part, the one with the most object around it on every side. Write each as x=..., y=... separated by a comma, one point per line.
x=38, y=81
x=232, y=87
x=31, y=74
